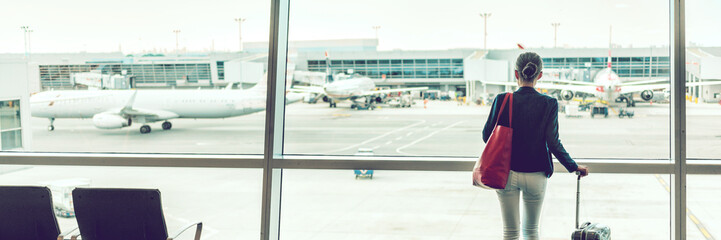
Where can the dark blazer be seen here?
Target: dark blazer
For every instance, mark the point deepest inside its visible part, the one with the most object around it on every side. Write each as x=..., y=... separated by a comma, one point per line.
x=535, y=131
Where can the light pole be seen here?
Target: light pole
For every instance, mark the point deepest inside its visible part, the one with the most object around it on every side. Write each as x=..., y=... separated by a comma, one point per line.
x=555, y=33
x=240, y=33
x=376, y=28
x=485, y=28
x=26, y=36
x=177, y=33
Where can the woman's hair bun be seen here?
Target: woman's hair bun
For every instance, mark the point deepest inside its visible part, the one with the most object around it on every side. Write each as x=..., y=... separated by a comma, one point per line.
x=529, y=65
x=529, y=71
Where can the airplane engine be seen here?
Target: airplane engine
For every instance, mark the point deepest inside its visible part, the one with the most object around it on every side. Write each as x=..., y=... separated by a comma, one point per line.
x=647, y=95
x=378, y=99
x=566, y=95
x=110, y=121
x=325, y=99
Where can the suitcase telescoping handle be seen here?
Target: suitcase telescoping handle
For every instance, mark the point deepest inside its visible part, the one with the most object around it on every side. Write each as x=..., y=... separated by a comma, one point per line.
x=578, y=195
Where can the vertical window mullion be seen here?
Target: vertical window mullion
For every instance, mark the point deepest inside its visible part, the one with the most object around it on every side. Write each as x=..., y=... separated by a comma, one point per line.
x=274, y=119
x=678, y=119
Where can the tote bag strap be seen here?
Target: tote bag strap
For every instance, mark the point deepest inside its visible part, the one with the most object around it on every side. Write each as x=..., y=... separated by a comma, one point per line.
x=510, y=110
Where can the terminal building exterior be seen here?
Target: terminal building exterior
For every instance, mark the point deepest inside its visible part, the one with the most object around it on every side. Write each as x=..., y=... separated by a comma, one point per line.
x=459, y=70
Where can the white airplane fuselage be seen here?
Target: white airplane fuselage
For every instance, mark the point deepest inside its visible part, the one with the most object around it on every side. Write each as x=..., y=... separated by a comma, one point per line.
x=607, y=85
x=184, y=103
x=348, y=89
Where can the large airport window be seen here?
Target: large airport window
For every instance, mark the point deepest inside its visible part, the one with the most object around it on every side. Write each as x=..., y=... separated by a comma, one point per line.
x=10, y=126
x=408, y=205
x=396, y=72
x=703, y=91
x=612, y=117
x=138, y=85
x=226, y=201
x=704, y=213
x=421, y=73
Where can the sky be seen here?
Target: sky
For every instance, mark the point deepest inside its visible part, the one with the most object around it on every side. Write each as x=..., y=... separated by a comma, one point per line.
x=134, y=26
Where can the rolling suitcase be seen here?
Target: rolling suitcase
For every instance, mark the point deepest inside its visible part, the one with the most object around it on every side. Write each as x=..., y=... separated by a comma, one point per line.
x=588, y=231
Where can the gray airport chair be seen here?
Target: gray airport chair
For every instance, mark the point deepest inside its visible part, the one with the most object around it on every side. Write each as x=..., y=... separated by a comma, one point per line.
x=26, y=213
x=121, y=214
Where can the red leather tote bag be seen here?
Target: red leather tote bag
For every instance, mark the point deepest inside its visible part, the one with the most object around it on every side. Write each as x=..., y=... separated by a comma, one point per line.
x=492, y=168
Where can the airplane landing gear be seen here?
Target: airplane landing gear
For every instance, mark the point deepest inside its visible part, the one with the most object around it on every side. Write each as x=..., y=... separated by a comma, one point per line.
x=51, y=126
x=167, y=125
x=145, y=129
x=332, y=103
x=629, y=101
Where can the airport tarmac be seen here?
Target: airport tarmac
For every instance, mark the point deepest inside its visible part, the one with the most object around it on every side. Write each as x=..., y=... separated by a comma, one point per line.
x=332, y=204
x=442, y=129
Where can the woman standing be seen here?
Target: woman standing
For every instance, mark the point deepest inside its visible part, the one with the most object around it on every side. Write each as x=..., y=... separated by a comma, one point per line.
x=535, y=137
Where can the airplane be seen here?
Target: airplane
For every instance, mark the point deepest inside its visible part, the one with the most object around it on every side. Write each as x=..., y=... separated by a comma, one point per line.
x=114, y=109
x=606, y=86
x=358, y=89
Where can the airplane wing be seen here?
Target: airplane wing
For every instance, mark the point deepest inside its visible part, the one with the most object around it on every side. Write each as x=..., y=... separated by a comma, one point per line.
x=641, y=88
x=567, y=82
x=512, y=84
x=149, y=114
x=393, y=90
x=584, y=87
x=663, y=86
x=590, y=89
x=658, y=80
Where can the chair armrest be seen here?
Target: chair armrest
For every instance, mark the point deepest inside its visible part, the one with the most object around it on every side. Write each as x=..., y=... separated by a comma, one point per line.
x=198, y=230
x=62, y=235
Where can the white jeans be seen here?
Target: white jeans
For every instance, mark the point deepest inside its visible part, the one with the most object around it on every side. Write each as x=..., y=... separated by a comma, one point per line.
x=533, y=186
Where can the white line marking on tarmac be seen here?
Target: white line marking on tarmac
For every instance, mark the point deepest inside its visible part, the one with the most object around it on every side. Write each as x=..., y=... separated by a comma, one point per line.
x=409, y=133
x=398, y=150
x=389, y=142
x=398, y=138
x=376, y=147
x=378, y=137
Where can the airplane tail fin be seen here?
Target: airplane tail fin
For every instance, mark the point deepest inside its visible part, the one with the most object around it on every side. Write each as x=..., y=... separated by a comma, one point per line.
x=328, y=71
x=610, y=45
x=262, y=85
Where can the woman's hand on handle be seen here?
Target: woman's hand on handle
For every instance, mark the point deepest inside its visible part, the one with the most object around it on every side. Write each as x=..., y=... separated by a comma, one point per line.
x=582, y=170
